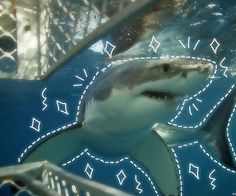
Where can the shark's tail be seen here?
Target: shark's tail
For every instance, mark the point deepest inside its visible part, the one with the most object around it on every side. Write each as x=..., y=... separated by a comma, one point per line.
x=216, y=128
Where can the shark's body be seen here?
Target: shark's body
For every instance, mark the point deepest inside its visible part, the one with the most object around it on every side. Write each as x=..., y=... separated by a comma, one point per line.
x=119, y=110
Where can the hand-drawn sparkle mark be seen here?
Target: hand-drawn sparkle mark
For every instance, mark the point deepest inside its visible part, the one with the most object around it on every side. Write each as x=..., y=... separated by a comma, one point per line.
x=109, y=49
x=35, y=124
x=154, y=44
x=62, y=107
x=214, y=45
x=188, y=44
x=121, y=177
x=194, y=170
x=199, y=100
x=196, y=45
x=190, y=108
x=85, y=73
x=89, y=170
x=82, y=79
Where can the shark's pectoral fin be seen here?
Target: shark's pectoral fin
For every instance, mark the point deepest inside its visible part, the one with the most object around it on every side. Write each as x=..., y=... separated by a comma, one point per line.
x=214, y=132
x=60, y=147
x=155, y=156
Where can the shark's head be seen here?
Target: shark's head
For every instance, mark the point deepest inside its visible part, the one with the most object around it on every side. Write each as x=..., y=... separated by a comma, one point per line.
x=130, y=97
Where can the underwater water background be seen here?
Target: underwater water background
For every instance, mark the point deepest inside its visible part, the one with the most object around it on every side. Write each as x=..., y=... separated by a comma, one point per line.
x=21, y=101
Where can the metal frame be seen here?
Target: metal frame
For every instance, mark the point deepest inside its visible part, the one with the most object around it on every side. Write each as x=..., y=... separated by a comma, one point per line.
x=114, y=23
x=30, y=173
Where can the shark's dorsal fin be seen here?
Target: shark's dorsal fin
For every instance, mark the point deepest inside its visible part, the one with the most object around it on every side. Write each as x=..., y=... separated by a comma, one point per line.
x=215, y=130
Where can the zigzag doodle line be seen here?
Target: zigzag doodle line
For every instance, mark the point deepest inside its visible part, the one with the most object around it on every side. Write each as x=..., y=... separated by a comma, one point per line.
x=206, y=153
x=212, y=179
x=44, y=99
x=106, y=162
x=138, y=185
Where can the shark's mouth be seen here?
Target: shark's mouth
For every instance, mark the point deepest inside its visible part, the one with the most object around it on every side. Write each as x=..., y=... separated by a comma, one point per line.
x=160, y=96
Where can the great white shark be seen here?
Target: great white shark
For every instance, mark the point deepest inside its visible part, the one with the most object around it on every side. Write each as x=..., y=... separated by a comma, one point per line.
x=119, y=110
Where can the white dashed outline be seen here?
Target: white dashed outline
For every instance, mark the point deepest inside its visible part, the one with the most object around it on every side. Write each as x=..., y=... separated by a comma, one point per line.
x=179, y=171
x=207, y=115
x=187, y=144
x=166, y=57
x=180, y=110
x=112, y=163
x=207, y=154
x=204, y=151
x=147, y=176
x=227, y=132
x=214, y=160
x=73, y=159
x=19, y=159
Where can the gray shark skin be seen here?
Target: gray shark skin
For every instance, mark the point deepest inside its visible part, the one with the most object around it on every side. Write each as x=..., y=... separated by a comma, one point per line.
x=119, y=110
x=212, y=134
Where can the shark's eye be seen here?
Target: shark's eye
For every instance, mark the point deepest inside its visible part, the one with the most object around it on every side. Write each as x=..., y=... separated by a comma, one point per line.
x=166, y=67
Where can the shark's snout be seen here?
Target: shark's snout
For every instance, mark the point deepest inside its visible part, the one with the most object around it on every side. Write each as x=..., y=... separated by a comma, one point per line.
x=201, y=67
x=177, y=77
x=207, y=68
x=194, y=76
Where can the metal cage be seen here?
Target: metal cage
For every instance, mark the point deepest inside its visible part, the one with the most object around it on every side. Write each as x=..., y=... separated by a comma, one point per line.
x=44, y=178
x=38, y=36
